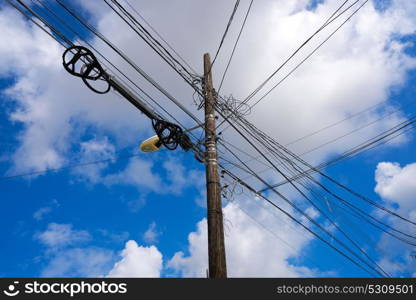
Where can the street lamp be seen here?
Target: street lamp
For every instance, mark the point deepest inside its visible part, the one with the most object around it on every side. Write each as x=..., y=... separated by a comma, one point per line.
x=152, y=144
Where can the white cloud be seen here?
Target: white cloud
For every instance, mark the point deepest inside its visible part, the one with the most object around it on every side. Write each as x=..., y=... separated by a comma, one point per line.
x=201, y=199
x=138, y=261
x=196, y=264
x=61, y=235
x=92, y=150
x=181, y=177
x=176, y=172
x=151, y=235
x=41, y=212
x=146, y=175
x=138, y=172
x=251, y=250
x=64, y=257
x=116, y=237
x=54, y=116
x=79, y=262
x=396, y=185
x=356, y=69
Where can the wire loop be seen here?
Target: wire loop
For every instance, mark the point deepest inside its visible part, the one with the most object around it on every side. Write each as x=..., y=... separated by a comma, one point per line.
x=90, y=70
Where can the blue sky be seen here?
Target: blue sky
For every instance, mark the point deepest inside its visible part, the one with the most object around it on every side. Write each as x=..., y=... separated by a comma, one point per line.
x=144, y=215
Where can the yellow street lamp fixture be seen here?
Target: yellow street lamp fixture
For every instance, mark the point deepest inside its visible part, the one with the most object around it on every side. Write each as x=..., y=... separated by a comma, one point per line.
x=151, y=144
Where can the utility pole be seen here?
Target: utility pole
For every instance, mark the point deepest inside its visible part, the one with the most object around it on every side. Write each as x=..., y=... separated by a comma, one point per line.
x=216, y=248
x=170, y=136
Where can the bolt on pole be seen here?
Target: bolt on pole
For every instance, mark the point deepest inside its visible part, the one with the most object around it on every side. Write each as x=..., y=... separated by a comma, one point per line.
x=216, y=247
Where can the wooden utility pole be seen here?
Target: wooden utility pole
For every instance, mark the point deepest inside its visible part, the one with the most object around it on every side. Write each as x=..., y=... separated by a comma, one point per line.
x=216, y=248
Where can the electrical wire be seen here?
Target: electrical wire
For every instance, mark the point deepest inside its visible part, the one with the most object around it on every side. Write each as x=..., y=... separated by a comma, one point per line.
x=129, y=61
x=265, y=228
x=147, y=37
x=349, y=117
x=296, y=207
x=389, y=114
x=283, y=197
x=326, y=23
x=75, y=33
x=70, y=29
x=299, y=170
x=54, y=15
x=297, y=158
x=309, y=55
x=230, y=20
x=64, y=39
x=376, y=141
x=399, y=238
x=355, y=244
x=359, y=213
x=334, y=224
x=294, y=219
x=71, y=166
x=257, y=136
x=235, y=45
x=160, y=36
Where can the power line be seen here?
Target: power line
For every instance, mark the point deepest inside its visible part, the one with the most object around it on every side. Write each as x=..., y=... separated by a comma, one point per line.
x=160, y=36
x=25, y=14
x=129, y=61
x=54, y=29
x=351, y=152
x=264, y=227
x=376, y=141
x=70, y=29
x=71, y=166
x=331, y=141
x=235, y=46
x=351, y=116
x=326, y=23
x=191, y=83
x=259, y=134
x=356, y=210
x=309, y=55
x=294, y=219
x=343, y=232
x=322, y=213
x=147, y=37
x=54, y=15
x=230, y=20
x=351, y=132
x=397, y=237
x=291, y=203
x=279, y=152
x=299, y=170
x=268, y=140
